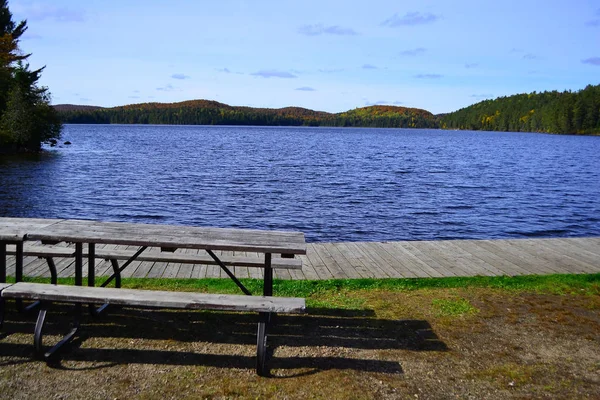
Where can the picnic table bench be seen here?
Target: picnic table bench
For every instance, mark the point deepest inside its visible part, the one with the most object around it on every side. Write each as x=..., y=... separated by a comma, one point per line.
x=167, y=238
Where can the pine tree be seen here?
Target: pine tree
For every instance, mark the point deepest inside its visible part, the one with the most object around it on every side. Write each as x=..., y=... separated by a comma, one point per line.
x=26, y=117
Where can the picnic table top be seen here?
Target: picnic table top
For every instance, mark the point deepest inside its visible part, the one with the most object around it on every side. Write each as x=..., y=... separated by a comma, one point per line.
x=15, y=229
x=174, y=236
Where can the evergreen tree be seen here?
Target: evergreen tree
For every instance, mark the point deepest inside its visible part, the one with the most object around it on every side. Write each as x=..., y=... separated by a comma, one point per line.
x=26, y=117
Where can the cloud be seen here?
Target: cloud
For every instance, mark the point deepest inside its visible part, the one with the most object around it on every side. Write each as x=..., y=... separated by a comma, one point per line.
x=368, y=66
x=383, y=103
x=84, y=99
x=225, y=70
x=39, y=12
x=180, y=76
x=594, y=22
x=271, y=73
x=428, y=76
x=166, y=88
x=330, y=70
x=134, y=97
x=530, y=56
x=413, y=52
x=136, y=91
x=515, y=50
x=592, y=61
x=410, y=19
x=471, y=65
x=305, y=89
x=320, y=29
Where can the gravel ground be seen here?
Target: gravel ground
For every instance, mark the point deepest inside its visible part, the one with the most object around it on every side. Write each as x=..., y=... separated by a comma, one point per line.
x=391, y=345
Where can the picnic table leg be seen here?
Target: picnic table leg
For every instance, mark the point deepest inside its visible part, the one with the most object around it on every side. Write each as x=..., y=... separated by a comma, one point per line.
x=91, y=265
x=261, y=345
x=19, y=263
x=19, y=274
x=91, y=280
x=1, y=312
x=268, y=279
x=39, y=332
x=2, y=262
x=52, y=268
x=78, y=264
x=264, y=321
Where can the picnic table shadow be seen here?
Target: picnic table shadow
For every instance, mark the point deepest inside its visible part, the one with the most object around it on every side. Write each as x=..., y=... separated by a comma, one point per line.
x=320, y=328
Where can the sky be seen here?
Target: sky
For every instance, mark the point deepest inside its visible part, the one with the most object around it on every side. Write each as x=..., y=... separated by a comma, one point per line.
x=333, y=56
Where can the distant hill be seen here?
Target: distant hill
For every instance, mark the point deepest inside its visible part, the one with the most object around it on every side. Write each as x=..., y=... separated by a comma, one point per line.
x=74, y=107
x=551, y=112
x=208, y=112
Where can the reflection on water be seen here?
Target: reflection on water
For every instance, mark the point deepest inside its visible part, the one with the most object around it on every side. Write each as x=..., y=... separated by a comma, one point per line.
x=333, y=184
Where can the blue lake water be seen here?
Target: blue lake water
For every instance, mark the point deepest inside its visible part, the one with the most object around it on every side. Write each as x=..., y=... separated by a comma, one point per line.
x=334, y=184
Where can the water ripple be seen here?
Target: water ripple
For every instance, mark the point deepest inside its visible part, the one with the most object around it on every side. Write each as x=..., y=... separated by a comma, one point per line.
x=333, y=184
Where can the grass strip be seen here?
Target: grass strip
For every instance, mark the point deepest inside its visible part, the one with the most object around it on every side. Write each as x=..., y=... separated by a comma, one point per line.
x=553, y=284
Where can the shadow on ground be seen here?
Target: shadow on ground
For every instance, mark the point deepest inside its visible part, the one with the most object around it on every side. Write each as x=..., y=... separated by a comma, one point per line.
x=320, y=328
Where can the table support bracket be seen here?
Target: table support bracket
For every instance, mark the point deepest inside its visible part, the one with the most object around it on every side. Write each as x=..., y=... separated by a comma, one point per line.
x=39, y=331
x=117, y=274
x=228, y=272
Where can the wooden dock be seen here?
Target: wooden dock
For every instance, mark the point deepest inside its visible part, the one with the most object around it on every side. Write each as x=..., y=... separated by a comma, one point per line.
x=407, y=259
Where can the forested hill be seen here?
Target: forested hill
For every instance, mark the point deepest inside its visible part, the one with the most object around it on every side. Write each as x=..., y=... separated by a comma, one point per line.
x=551, y=112
x=206, y=112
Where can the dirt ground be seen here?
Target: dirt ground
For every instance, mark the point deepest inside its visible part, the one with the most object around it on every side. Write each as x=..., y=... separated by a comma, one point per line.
x=424, y=344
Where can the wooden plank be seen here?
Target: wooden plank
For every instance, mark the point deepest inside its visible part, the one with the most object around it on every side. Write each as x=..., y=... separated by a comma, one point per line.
x=579, y=252
x=424, y=256
x=183, y=256
x=44, y=251
x=451, y=260
x=373, y=252
x=371, y=265
x=307, y=271
x=586, y=249
x=340, y=258
x=4, y=286
x=464, y=260
x=153, y=298
x=15, y=229
x=386, y=251
x=335, y=270
x=354, y=261
x=540, y=257
x=503, y=266
x=317, y=262
x=552, y=252
x=504, y=249
x=104, y=267
x=411, y=267
x=172, y=236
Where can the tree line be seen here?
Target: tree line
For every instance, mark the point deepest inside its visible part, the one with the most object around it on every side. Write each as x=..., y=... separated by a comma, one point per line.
x=26, y=117
x=205, y=112
x=550, y=112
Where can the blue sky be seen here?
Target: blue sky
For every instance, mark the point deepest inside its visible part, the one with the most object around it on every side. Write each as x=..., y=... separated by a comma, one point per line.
x=324, y=55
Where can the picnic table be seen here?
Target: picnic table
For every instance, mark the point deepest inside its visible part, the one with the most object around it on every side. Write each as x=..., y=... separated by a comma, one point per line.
x=167, y=238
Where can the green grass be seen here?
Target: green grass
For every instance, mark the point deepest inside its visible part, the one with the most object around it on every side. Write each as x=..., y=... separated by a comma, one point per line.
x=453, y=307
x=552, y=284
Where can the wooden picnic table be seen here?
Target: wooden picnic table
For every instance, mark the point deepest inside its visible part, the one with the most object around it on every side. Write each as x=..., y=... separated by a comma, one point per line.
x=165, y=237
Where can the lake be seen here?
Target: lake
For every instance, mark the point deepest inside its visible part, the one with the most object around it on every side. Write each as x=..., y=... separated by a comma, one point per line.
x=334, y=184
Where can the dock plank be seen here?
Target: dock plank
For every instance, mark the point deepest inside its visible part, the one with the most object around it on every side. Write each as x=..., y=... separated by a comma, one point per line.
x=350, y=260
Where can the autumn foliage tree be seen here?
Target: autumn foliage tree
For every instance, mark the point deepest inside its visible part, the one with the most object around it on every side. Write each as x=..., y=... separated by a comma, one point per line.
x=26, y=117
